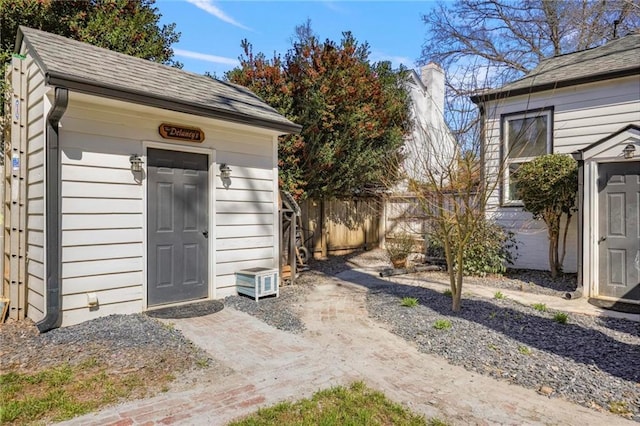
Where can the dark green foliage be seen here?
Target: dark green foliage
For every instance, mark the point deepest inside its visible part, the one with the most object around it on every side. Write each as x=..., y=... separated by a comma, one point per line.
x=127, y=26
x=486, y=252
x=547, y=186
x=354, y=114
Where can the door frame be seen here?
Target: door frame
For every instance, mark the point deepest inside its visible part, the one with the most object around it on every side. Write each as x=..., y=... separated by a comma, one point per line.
x=595, y=221
x=211, y=255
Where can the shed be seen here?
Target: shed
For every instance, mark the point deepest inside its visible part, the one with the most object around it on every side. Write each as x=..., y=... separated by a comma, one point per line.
x=129, y=184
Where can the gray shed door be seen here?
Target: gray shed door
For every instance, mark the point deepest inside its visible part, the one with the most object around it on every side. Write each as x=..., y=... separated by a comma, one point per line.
x=619, y=239
x=177, y=216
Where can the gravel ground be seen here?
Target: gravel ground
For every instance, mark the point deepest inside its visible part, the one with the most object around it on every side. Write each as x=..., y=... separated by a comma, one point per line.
x=276, y=311
x=123, y=343
x=590, y=361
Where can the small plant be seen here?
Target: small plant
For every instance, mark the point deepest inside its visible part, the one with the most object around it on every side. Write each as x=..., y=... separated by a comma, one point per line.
x=409, y=302
x=399, y=248
x=492, y=347
x=202, y=362
x=541, y=307
x=498, y=295
x=442, y=324
x=492, y=314
x=561, y=317
x=524, y=350
x=619, y=407
x=447, y=292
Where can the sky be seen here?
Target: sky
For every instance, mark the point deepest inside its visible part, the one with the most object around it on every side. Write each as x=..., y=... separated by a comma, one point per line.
x=212, y=30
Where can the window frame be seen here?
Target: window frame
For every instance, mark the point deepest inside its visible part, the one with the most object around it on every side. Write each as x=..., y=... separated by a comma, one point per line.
x=548, y=113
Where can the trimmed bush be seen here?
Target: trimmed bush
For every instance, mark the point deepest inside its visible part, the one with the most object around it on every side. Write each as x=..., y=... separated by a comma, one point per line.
x=487, y=252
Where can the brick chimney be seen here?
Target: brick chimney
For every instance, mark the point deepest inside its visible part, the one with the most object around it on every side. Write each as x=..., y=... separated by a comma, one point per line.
x=432, y=76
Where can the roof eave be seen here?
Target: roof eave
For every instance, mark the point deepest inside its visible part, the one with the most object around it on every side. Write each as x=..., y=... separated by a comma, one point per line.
x=501, y=94
x=92, y=88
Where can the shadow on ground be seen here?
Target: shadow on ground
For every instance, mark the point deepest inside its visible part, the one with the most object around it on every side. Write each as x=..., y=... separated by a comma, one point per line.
x=536, y=329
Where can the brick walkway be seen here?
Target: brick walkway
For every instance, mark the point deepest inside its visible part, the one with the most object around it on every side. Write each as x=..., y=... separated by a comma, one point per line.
x=341, y=345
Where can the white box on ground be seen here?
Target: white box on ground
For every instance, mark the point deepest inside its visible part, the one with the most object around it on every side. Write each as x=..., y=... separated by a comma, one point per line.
x=257, y=282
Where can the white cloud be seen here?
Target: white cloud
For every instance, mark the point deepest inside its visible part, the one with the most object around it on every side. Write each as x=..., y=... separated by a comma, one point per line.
x=205, y=57
x=209, y=7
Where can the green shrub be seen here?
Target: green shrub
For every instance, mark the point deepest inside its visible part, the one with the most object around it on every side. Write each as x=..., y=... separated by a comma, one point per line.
x=442, y=324
x=409, y=302
x=540, y=307
x=561, y=317
x=498, y=295
x=487, y=252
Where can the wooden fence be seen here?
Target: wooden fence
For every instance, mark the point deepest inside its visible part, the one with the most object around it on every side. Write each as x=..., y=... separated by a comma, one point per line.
x=336, y=227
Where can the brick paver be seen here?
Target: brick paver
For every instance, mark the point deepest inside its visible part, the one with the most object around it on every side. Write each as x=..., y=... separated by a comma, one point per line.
x=341, y=345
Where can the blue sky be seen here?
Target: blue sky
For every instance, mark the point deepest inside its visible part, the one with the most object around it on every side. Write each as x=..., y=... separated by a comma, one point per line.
x=212, y=30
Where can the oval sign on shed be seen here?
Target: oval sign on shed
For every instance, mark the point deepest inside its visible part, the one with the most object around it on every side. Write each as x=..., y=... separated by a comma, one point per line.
x=182, y=133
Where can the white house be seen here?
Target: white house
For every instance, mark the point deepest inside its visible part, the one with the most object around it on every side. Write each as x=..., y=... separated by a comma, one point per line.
x=119, y=197
x=586, y=104
x=430, y=146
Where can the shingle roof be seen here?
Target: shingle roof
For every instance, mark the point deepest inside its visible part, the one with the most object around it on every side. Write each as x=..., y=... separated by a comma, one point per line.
x=617, y=58
x=90, y=69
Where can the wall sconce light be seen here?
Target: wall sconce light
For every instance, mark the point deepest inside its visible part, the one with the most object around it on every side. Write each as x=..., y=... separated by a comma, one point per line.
x=628, y=151
x=225, y=171
x=136, y=163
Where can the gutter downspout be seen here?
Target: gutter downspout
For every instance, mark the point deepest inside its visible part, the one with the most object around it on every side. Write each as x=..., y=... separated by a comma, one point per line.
x=52, y=318
x=579, y=291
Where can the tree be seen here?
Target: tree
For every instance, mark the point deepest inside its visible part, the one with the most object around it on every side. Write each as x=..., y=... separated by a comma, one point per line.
x=484, y=44
x=354, y=114
x=127, y=26
x=510, y=37
x=548, y=186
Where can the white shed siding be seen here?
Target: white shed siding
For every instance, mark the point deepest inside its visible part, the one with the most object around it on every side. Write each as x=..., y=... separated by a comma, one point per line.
x=582, y=115
x=102, y=233
x=103, y=219
x=38, y=106
x=244, y=216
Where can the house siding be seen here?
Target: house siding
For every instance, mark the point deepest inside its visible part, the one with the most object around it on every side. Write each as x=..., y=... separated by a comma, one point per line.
x=103, y=219
x=582, y=115
x=37, y=108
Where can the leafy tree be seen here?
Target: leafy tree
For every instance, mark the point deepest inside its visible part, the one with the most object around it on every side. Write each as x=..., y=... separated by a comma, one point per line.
x=547, y=186
x=354, y=114
x=127, y=26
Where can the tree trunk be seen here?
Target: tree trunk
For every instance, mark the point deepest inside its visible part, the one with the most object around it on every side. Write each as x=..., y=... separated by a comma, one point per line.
x=564, y=240
x=456, y=297
x=552, y=257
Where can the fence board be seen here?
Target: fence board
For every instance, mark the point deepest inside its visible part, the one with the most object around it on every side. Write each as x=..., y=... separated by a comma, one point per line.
x=341, y=226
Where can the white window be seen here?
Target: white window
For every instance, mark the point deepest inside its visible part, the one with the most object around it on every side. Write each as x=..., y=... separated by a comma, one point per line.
x=525, y=136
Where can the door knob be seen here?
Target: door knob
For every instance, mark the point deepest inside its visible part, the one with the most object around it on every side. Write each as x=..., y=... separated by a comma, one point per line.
x=601, y=239
x=205, y=233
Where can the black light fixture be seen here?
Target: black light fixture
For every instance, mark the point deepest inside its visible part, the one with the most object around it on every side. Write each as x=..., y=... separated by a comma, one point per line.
x=629, y=151
x=136, y=163
x=225, y=171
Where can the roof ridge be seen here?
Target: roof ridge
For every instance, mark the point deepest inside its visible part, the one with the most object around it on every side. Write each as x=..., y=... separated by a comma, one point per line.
x=96, y=70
